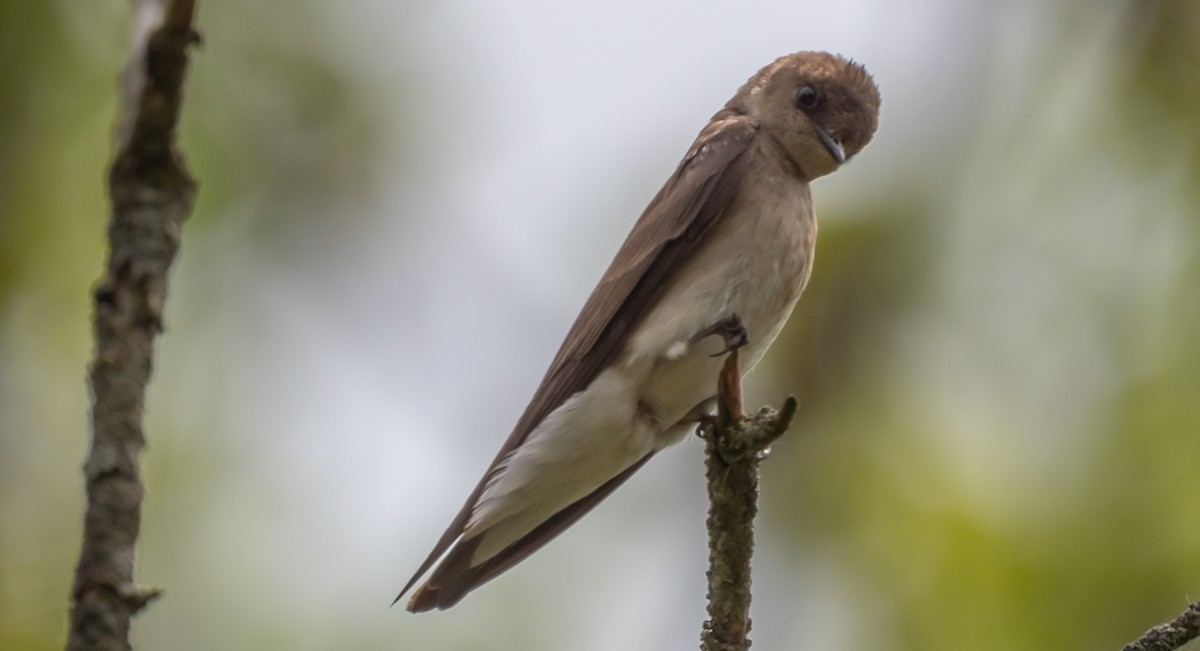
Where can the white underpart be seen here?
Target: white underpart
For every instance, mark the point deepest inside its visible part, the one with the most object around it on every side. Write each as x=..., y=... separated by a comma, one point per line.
x=677, y=350
x=590, y=439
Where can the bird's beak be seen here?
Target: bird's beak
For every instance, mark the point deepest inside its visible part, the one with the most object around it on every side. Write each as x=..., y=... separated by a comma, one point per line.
x=835, y=148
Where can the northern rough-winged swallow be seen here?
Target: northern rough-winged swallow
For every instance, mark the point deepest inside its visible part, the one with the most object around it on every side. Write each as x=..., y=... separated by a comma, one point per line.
x=718, y=259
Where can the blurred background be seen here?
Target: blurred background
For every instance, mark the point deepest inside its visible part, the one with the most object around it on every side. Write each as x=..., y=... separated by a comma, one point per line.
x=403, y=206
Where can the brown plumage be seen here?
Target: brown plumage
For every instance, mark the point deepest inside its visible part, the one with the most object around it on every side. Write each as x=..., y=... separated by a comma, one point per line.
x=731, y=231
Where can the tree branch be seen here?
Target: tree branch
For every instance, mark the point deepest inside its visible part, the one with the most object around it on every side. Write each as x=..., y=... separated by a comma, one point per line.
x=734, y=445
x=1172, y=635
x=151, y=193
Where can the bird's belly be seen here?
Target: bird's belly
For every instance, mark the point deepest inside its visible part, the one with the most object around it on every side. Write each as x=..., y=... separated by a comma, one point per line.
x=679, y=381
x=760, y=284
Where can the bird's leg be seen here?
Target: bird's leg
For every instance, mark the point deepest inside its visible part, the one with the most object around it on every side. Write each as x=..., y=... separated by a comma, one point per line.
x=729, y=383
x=731, y=330
x=729, y=391
x=728, y=400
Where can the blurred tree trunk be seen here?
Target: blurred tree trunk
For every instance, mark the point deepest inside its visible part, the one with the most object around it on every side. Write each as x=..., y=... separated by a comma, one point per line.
x=151, y=193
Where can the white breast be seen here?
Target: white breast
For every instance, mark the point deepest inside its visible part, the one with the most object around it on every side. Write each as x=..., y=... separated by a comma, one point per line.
x=755, y=264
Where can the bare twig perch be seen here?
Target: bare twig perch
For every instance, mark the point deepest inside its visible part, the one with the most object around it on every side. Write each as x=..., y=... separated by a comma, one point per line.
x=1172, y=635
x=735, y=444
x=151, y=194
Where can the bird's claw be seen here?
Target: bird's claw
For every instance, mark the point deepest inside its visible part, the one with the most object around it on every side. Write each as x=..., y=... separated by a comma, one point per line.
x=731, y=330
x=706, y=424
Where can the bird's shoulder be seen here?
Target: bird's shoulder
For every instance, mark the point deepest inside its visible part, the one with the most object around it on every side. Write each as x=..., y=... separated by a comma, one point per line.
x=694, y=194
x=726, y=136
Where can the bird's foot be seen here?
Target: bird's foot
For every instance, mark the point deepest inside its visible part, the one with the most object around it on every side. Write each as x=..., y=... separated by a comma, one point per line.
x=731, y=330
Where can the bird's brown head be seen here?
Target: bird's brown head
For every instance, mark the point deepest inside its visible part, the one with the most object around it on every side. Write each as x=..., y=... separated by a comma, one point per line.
x=822, y=109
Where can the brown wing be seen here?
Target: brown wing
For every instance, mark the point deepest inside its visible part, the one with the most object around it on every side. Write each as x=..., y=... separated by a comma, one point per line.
x=694, y=198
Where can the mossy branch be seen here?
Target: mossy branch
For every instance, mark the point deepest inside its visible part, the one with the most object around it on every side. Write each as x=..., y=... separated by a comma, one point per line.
x=735, y=444
x=1172, y=635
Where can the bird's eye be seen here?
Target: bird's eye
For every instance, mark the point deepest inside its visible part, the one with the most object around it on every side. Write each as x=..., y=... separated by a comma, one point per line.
x=806, y=98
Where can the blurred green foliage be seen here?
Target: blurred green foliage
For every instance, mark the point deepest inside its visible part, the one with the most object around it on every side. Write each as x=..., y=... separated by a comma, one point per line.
x=279, y=132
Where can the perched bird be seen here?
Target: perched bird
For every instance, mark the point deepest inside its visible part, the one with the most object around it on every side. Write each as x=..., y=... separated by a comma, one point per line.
x=717, y=260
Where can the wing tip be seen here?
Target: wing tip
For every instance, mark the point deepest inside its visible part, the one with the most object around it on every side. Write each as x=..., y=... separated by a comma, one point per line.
x=410, y=584
x=424, y=599
x=450, y=582
x=427, y=597
x=430, y=597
